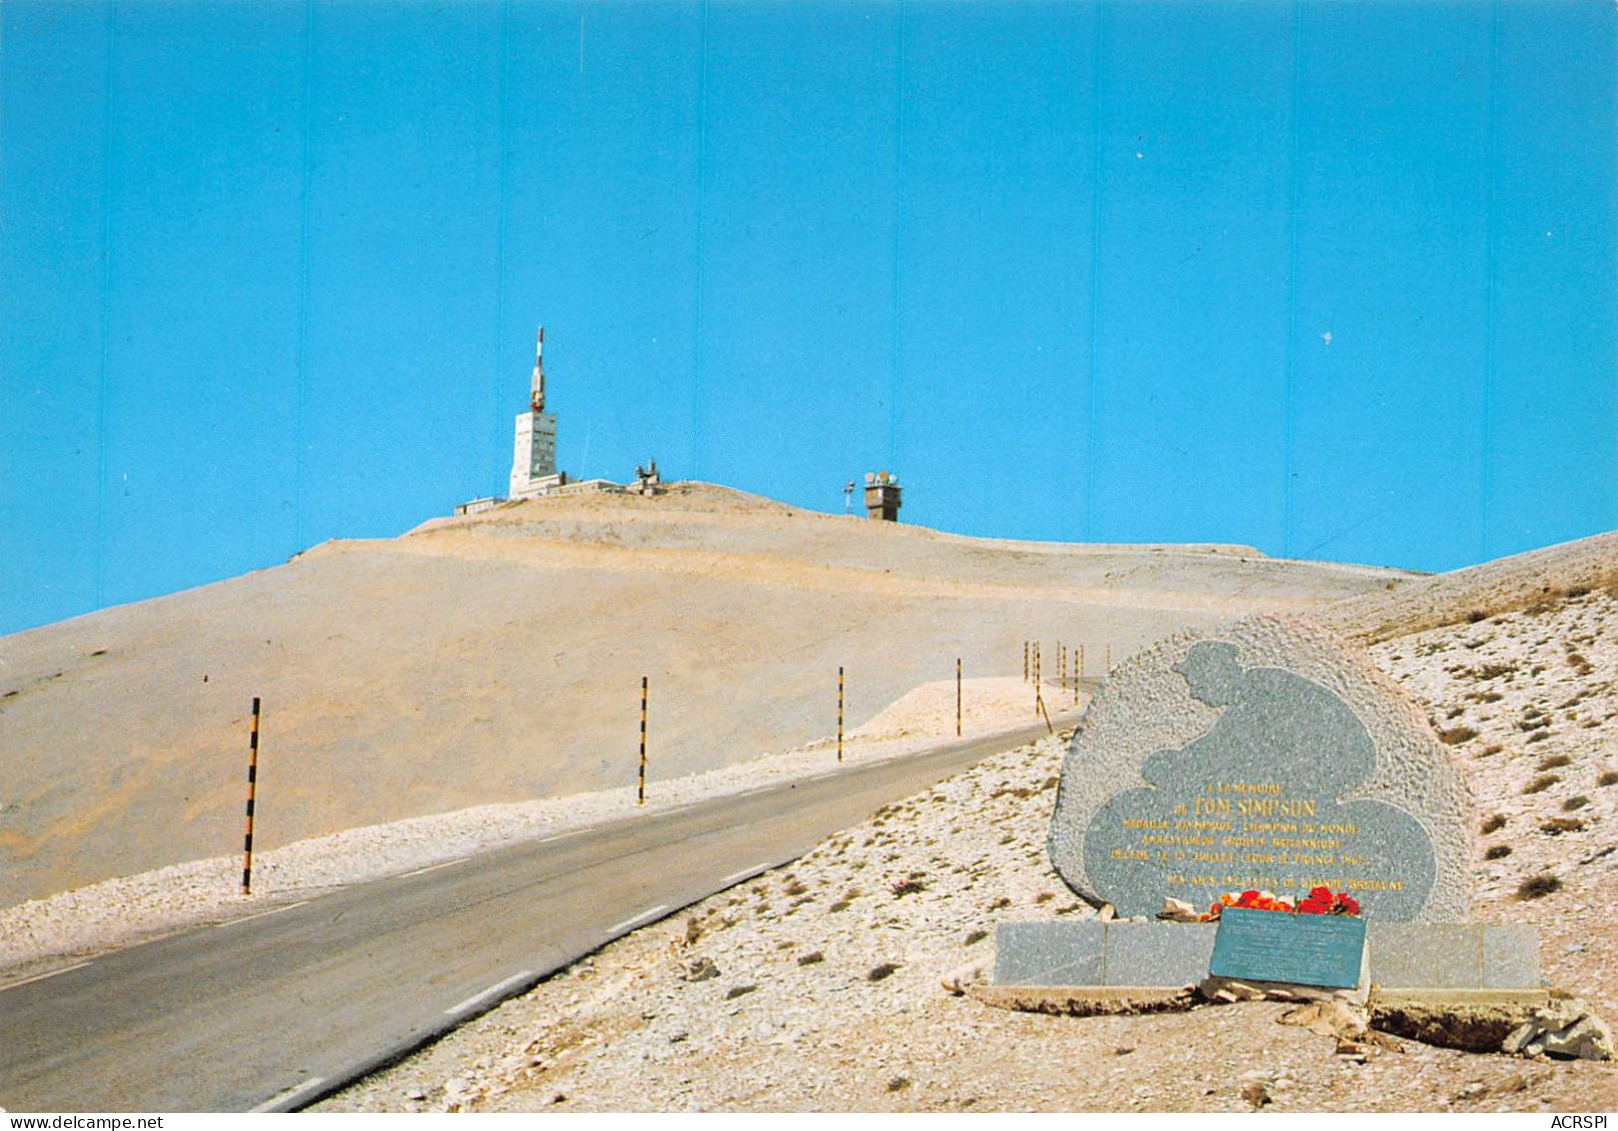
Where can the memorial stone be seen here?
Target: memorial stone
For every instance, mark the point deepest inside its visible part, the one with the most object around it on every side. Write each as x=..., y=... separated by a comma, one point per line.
x=1263, y=754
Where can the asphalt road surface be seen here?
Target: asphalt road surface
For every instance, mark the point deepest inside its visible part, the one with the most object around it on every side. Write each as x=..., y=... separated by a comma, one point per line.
x=280, y=1007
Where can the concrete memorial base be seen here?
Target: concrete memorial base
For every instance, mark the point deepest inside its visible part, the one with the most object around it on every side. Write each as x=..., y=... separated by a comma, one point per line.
x=1426, y=956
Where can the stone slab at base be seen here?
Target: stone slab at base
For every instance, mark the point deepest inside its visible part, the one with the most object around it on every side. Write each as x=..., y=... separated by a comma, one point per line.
x=1093, y=953
x=1086, y=1001
x=1455, y=956
x=1438, y=998
x=1431, y=956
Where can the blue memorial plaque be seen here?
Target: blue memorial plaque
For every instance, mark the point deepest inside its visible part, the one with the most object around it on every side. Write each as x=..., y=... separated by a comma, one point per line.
x=1276, y=946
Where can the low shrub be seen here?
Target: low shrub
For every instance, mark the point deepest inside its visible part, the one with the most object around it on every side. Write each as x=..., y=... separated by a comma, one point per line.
x=1537, y=887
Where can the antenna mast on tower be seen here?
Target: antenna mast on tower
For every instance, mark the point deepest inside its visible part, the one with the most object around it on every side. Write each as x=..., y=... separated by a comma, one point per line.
x=536, y=398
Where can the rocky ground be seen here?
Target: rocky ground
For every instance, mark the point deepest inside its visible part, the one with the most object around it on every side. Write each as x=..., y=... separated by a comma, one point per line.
x=819, y=986
x=1529, y=702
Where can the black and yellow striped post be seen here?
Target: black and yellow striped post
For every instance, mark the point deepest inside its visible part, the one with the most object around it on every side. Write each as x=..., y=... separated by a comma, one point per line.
x=1025, y=661
x=640, y=798
x=957, y=697
x=1061, y=665
x=1039, y=695
x=252, y=791
x=1108, y=670
x=839, y=712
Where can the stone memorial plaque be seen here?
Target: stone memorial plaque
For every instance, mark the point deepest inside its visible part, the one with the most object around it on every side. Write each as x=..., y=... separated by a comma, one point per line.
x=1265, y=754
x=1275, y=946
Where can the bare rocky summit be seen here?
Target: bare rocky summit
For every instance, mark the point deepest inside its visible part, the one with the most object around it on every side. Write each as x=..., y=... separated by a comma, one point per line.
x=497, y=658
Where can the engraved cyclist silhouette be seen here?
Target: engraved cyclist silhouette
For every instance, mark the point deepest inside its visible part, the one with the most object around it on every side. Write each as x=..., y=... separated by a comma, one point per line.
x=1275, y=728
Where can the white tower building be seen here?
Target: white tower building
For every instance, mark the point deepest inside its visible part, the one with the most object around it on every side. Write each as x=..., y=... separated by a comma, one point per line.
x=533, y=465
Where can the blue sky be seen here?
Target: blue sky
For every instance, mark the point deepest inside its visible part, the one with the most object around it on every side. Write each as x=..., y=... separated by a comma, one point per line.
x=1333, y=279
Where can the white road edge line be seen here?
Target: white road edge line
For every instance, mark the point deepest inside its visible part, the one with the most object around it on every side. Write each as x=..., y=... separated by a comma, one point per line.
x=561, y=836
x=493, y=991
x=643, y=917
x=261, y=914
x=435, y=867
x=47, y=974
x=308, y=1085
x=745, y=874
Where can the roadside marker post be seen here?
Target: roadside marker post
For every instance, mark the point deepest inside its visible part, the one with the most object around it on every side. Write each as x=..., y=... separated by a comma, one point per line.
x=839, y=712
x=1025, y=661
x=641, y=795
x=1039, y=695
x=252, y=791
x=957, y=696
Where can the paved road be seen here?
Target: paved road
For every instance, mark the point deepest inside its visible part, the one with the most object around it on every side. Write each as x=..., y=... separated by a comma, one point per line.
x=279, y=1008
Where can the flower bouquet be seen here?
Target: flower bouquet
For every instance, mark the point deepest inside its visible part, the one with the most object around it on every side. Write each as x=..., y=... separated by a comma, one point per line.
x=1321, y=901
